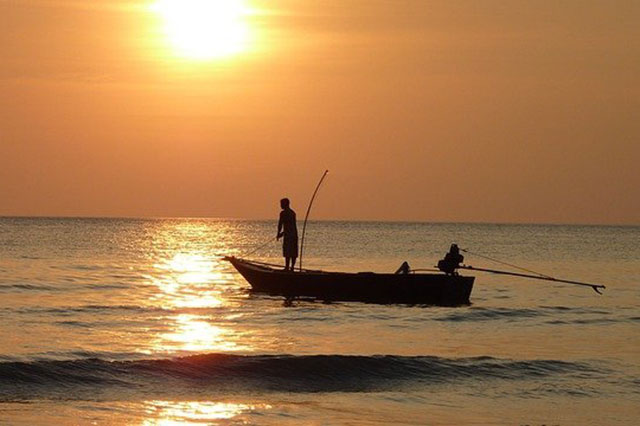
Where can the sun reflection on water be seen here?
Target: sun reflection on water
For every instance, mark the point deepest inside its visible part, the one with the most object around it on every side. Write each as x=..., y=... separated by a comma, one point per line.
x=191, y=268
x=188, y=280
x=192, y=413
x=193, y=333
x=192, y=284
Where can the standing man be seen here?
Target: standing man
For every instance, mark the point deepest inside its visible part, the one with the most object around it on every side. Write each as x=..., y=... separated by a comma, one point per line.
x=288, y=229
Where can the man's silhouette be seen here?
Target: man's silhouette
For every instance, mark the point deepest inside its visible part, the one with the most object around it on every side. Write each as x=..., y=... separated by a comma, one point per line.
x=287, y=228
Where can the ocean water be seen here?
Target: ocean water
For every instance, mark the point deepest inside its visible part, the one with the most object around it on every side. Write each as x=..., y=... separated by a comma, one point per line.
x=140, y=322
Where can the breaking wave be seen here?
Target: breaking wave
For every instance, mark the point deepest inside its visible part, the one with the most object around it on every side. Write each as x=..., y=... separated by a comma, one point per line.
x=310, y=373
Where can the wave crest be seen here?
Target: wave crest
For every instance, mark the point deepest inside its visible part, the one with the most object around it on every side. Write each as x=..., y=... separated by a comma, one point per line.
x=309, y=373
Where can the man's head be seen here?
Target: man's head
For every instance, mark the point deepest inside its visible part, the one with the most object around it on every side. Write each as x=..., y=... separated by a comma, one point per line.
x=284, y=203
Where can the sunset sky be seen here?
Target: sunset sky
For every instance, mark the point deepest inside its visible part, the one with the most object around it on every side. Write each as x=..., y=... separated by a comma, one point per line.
x=478, y=111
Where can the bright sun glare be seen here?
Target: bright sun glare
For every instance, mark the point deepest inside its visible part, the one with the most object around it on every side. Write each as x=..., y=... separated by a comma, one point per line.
x=205, y=29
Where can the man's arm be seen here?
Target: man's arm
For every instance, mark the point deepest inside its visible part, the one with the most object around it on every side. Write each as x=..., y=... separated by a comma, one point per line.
x=279, y=234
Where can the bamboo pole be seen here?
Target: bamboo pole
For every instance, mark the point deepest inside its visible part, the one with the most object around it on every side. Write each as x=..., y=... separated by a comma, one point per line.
x=595, y=287
x=304, y=226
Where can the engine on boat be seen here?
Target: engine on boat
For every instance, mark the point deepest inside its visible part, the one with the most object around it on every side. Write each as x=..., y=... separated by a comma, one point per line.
x=451, y=261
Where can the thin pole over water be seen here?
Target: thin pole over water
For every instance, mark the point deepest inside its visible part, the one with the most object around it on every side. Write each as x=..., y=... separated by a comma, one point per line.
x=595, y=287
x=306, y=216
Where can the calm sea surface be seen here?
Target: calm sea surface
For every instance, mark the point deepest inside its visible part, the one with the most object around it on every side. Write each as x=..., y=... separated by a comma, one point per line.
x=125, y=321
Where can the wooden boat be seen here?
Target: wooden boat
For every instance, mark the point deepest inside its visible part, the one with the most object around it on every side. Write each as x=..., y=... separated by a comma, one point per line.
x=405, y=288
x=445, y=287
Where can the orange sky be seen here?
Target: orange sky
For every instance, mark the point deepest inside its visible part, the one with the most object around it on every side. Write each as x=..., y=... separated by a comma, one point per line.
x=490, y=111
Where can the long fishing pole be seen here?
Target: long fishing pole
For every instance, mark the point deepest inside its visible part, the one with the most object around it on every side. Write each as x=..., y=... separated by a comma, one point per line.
x=304, y=226
x=595, y=287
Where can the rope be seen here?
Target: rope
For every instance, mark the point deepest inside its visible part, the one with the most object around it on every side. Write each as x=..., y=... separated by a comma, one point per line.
x=269, y=240
x=505, y=263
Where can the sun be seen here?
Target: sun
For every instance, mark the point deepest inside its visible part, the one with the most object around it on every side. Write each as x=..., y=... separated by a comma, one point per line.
x=205, y=29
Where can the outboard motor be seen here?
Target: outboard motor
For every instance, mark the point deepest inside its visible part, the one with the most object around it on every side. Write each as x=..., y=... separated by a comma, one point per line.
x=451, y=261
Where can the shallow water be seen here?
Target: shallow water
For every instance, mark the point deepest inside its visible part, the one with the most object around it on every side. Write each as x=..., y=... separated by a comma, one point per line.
x=131, y=321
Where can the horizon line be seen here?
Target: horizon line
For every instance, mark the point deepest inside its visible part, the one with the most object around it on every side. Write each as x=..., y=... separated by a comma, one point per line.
x=408, y=221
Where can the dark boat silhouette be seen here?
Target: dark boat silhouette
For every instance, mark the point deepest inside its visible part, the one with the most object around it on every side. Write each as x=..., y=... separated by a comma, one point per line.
x=445, y=287
x=385, y=288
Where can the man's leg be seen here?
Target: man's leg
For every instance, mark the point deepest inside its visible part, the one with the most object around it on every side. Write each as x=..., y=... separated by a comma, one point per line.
x=293, y=263
x=286, y=263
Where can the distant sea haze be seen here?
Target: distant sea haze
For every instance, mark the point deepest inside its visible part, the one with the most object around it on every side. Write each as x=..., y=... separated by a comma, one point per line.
x=140, y=321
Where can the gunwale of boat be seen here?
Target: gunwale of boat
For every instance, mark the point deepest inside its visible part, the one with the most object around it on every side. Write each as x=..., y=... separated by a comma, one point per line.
x=277, y=269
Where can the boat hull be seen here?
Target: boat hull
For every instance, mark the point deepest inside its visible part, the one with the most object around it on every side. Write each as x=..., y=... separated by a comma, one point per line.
x=430, y=289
